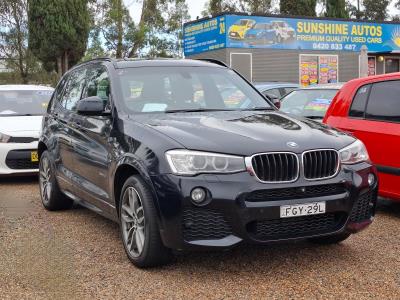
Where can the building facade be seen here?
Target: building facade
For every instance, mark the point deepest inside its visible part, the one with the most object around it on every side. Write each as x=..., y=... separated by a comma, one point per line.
x=301, y=50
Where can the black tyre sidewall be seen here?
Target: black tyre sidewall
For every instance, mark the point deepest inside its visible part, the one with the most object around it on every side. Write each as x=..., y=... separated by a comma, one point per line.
x=57, y=200
x=152, y=238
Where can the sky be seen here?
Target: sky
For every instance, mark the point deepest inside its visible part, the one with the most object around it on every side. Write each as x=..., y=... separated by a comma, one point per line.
x=197, y=6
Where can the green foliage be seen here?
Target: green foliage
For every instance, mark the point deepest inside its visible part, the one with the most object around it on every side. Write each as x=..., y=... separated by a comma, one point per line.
x=58, y=28
x=214, y=7
x=336, y=9
x=298, y=7
x=375, y=10
x=13, y=39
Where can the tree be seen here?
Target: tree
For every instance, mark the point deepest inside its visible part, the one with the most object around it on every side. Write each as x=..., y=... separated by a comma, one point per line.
x=58, y=32
x=375, y=10
x=14, y=37
x=336, y=9
x=114, y=24
x=298, y=7
x=214, y=7
x=95, y=47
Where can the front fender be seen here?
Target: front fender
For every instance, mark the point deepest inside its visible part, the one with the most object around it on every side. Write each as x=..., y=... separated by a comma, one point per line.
x=132, y=161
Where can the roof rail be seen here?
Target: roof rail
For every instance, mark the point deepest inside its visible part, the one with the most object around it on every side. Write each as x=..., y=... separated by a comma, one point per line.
x=93, y=60
x=214, y=61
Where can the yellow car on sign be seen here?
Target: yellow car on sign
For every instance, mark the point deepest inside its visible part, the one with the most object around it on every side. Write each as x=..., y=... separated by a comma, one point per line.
x=239, y=28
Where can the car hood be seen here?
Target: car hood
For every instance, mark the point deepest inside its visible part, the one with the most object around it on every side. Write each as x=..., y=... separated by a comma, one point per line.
x=21, y=126
x=245, y=133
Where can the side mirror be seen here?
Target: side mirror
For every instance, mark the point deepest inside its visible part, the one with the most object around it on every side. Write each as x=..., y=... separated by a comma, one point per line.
x=275, y=100
x=91, y=106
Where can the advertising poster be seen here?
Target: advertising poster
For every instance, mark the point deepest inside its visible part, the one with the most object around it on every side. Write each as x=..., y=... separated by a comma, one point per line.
x=371, y=66
x=204, y=36
x=240, y=31
x=308, y=70
x=328, y=69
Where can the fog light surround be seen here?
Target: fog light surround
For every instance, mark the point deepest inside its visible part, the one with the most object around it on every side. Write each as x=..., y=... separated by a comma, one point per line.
x=371, y=179
x=199, y=196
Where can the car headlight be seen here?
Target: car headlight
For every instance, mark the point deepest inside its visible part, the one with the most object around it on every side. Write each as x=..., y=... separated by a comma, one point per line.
x=187, y=162
x=354, y=153
x=4, y=138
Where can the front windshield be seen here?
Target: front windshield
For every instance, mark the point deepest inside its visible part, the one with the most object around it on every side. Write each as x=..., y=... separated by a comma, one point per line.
x=312, y=103
x=24, y=102
x=166, y=89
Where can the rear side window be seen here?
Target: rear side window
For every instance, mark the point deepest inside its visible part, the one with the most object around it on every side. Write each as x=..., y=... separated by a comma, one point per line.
x=359, y=102
x=384, y=102
x=73, y=91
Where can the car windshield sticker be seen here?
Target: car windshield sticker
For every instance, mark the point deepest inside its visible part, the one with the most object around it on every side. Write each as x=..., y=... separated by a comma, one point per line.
x=149, y=107
x=318, y=104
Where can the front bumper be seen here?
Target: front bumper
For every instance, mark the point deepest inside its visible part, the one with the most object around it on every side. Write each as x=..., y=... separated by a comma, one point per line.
x=242, y=209
x=15, y=158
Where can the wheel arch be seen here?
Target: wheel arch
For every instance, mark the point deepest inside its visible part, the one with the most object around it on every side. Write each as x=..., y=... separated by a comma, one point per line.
x=41, y=148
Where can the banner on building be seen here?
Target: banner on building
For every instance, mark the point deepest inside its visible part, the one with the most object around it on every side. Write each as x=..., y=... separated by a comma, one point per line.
x=239, y=31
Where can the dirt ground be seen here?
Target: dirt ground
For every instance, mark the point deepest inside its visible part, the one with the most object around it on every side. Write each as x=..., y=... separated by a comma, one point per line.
x=77, y=254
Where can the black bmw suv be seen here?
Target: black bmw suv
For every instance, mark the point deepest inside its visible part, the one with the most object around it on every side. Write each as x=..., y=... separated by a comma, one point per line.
x=187, y=155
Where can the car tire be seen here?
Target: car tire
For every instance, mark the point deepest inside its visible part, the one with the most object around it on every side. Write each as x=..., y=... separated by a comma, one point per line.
x=52, y=197
x=331, y=239
x=139, y=226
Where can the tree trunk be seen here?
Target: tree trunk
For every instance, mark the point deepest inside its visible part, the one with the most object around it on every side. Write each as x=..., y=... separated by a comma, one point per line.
x=65, y=62
x=138, y=42
x=59, y=66
x=119, y=29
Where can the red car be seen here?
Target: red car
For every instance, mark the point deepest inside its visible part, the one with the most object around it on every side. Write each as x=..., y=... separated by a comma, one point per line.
x=369, y=108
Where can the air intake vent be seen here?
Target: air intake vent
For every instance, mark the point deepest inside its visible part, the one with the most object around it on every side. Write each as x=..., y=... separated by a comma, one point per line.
x=276, y=167
x=320, y=164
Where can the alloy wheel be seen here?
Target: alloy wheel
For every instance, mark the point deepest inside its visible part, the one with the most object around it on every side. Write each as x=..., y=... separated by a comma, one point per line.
x=45, y=179
x=133, y=222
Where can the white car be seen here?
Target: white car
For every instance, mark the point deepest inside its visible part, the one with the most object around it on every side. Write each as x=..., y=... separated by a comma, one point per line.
x=21, y=111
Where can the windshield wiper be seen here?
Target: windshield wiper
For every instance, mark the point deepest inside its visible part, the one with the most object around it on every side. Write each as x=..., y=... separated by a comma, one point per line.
x=259, y=108
x=313, y=117
x=196, y=110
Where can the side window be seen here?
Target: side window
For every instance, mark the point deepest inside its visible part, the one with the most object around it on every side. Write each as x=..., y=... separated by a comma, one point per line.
x=357, y=108
x=57, y=93
x=384, y=102
x=272, y=93
x=73, y=90
x=288, y=90
x=98, y=84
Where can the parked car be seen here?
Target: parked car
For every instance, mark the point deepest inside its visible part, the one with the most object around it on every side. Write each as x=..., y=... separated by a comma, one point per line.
x=283, y=31
x=276, y=89
x=238, y=30
x=21, y=111
x=310, y=102
x=261, y=33
x=369, y=108
x=180, y=169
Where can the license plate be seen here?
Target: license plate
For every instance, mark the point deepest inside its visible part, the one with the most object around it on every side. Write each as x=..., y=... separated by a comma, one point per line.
x=298, y=210
x=34, y=156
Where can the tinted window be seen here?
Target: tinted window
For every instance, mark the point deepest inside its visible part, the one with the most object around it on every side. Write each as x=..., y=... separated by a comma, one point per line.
x=384, y=101
x=288, y=90
x=272, y=93
x=157, y=89
x=98, y=84
x=73, y=91
x=28, y=102
x=58, y=92
x=359, y=102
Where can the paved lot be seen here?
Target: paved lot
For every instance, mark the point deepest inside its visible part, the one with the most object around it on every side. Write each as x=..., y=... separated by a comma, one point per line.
x=77, y=254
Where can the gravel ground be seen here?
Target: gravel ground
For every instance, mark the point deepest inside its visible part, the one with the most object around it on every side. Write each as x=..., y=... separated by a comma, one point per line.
x=77, y=254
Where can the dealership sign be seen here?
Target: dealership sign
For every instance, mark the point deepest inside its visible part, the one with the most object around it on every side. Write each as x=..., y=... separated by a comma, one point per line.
x=241, y=31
